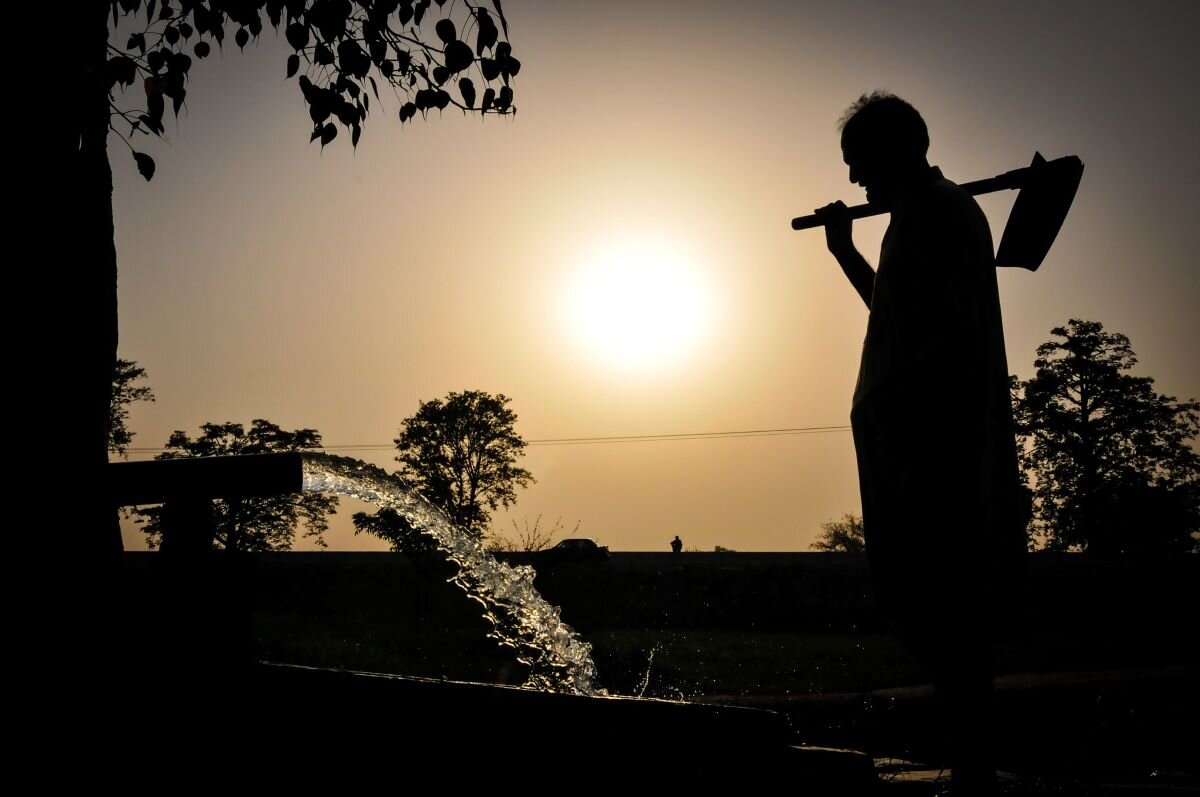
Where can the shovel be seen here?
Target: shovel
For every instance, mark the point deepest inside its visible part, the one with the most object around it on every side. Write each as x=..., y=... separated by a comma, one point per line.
x=1047, y=189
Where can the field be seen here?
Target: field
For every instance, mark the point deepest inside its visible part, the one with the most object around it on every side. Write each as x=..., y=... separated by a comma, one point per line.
x=1099, y=679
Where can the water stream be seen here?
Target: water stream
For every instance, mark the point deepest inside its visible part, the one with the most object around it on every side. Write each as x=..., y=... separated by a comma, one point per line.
x=557, y=658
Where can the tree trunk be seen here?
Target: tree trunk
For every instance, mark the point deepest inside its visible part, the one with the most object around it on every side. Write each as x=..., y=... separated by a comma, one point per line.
x=85, y=654
x=87, y=310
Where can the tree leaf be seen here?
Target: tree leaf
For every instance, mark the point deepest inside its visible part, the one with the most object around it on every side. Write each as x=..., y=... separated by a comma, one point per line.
x=241, y=38
x=202, y=49
x=318, y=110
x=202, y=17
x=500, y=11
x=489, y=97
x=446, y=31
x=180, y=63
x=171, y=34
x=487, y=34
x=347, y=114
x=355, y=133
x=352, y=59
x=378, y=50
x=156, y=107
x=172, y=84
x=490, y=68
x=458, y=56
x=328, y=133
x=467, y=89
x=121, y=70
x=347, y=86
x=145, y=165
x=293, y=64
x=297, y=35
x=153, y=125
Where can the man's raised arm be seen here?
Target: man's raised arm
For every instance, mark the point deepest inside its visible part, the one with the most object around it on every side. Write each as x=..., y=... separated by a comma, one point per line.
x=838, y=237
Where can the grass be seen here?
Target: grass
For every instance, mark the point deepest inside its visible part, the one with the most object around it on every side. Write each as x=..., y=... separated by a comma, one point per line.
x=677, y=664
x=694, y=662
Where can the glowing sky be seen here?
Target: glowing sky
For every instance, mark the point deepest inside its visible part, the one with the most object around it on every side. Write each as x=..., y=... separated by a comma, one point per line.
x=261, y=277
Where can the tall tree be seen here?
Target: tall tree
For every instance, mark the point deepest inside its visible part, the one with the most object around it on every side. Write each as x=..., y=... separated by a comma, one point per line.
x=461, y=454
x=842, y=536
x=1108, y=458
x=250, y=524
x=343, y=49
x=124, y=393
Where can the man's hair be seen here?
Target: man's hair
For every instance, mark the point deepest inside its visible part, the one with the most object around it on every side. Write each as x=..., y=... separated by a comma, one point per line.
x=882, y=122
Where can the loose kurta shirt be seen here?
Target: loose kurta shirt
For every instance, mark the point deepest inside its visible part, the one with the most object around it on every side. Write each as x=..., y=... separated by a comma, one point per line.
x=932, y=417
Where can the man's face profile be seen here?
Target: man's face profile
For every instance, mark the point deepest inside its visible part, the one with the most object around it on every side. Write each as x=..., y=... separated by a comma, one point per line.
x=870, y=171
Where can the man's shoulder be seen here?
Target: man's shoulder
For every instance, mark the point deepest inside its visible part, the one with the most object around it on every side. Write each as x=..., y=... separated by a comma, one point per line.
x=944, y=198
x=946, y=190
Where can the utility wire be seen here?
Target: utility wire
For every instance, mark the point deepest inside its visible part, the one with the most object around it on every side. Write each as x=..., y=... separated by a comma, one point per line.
x=572, y=441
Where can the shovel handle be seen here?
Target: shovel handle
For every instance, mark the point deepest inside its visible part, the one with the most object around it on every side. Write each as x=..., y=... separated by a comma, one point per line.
x=1001, y=182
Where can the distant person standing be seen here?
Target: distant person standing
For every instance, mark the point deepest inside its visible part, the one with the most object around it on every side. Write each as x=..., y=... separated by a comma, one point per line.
x=932, y=420
x=676, y=544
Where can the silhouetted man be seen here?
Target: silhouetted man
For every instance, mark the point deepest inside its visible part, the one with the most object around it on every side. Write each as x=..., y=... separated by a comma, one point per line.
x=676, y=544
x=932, y=419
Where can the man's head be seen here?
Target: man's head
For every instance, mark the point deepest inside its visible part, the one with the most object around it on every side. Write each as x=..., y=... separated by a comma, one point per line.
x=884, y=142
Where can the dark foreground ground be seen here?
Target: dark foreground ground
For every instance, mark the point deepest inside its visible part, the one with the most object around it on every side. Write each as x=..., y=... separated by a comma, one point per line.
x=1098, y=694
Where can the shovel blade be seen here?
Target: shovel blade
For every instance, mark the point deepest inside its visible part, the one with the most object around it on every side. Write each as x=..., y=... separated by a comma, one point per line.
x=1045, y=198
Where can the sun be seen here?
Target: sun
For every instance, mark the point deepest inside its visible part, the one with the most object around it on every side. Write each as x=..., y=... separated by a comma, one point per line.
x=640, y=303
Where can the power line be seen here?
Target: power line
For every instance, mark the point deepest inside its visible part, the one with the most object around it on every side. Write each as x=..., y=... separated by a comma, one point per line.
x=629, y=438
x=655, y=438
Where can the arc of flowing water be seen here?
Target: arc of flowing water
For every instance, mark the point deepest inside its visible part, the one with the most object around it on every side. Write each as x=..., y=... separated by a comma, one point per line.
x=521, y=618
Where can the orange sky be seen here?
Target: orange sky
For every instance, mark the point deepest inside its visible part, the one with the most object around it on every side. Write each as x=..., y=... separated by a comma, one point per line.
x=261, y=277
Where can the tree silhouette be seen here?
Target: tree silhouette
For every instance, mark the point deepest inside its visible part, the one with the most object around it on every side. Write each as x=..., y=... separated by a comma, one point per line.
x=842, y=536
x=530, y=538
x=388, y=524
x=1107, y=457
x=460, y=454
x=343, y=50
x=124, y=393
x=250, y=524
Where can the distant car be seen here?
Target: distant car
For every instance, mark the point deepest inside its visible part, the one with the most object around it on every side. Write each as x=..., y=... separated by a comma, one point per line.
x=574, y=549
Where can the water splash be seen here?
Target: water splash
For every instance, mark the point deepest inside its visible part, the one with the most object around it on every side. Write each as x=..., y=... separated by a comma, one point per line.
x=521, y=618
x=641, y=692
